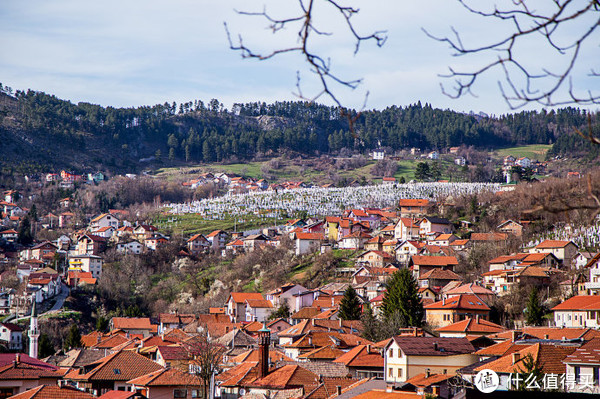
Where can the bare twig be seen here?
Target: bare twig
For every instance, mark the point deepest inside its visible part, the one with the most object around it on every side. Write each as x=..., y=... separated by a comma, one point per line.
x=547, y=87
x=319, y=64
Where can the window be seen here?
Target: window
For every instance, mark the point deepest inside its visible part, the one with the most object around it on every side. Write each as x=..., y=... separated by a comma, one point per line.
x=391, y=372
x=391, y=352
x=577, y=373
x=180, y=393
x=117, y=371
x=195, y=393
x=399, y=373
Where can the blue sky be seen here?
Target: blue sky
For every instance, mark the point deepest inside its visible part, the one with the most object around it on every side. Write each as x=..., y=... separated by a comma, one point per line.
x=130, y=53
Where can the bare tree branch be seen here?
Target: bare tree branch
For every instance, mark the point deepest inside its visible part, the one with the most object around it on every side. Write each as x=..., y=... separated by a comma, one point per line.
x=319, y=64
x=523, y=84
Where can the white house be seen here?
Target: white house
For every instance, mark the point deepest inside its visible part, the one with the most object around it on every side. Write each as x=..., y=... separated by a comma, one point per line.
x=12, y=335
x=130, y=247
x=258, y=309
x=578, y=311
x=378, y=154
x=407, y=229
x=308, y=242
x=104, y=220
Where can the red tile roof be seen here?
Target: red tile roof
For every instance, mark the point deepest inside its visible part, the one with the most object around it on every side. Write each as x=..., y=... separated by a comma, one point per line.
x=470, y=325
x=361, y=356
x=549, y=358
x=53, y=392
x=462, y=301
x=589, y=353
x=166, y=377
x=120, y=366
x=413, y=202
x=425, y=260
x=131, y=323
x=549, y=244
x=433, y=346
x=580, y=302
x=241, y=297
x=289, y=376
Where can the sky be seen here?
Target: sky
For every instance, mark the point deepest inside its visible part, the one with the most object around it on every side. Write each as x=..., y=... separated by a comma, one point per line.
x=141, y=52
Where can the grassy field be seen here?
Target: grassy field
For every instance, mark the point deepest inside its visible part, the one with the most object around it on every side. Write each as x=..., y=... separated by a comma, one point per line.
x=290, y=172
x=192, y=223
x=534, y=151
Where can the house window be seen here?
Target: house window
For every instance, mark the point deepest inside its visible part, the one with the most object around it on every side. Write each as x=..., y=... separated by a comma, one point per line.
x=577, y=373
x=195, y=393
x=391, y=352
x=180, y=393
x=391, y=372
x=399, y=373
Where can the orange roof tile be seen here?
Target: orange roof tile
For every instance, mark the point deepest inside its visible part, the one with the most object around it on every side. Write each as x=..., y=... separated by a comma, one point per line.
x=166, y=377
x=426, y=260
x=462, y=301
x=580, y=302
x=549, y=358
x=549, y=244
x=470, y=325
x=361, y=356
x=241, y=297
x=120, y=366
x=53, y=392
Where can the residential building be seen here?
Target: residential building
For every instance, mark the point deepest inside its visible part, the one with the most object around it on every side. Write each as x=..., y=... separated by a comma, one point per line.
x=406, y=357
x=454, y=309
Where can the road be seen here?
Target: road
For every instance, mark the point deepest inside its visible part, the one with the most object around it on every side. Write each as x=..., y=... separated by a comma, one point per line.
x=60, y=298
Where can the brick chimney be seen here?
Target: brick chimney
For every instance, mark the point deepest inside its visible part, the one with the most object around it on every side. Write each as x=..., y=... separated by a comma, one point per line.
x=264, y=339
x=516, y=357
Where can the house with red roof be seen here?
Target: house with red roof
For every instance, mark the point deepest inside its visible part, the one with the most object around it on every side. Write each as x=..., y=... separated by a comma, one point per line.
x=48, y=391
x=578, y=311
x=307, y=242
x=454, y=309
x=133, y=325
x=565, y=251
x=168, y=383
x=407, y=228
x=112, y=372
x=421, y=264
x=363, y=361
x=407, y=357
x=236, y=304
x=18, y=376
x=374, y=258
x=414, y=207
x=198, y=244
x=470, y=328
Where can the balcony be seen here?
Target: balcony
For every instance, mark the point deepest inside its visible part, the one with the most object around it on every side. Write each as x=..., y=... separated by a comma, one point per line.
x=592, y=286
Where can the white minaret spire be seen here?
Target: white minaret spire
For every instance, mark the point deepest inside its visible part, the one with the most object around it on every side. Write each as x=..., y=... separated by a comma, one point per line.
x=34, y=332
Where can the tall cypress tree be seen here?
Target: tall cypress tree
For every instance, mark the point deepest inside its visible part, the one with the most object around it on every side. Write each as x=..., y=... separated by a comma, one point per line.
x=402, y=299
x=535, y=311
x=349, y=305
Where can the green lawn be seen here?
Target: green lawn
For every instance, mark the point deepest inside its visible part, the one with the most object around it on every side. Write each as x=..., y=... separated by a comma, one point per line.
x=192, y=223
x=533, y=151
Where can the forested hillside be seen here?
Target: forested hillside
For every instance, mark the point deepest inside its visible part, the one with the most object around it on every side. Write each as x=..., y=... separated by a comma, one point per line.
x=40, y=131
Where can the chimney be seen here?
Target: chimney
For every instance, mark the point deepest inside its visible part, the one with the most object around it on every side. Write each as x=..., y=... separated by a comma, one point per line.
x=427, y=373
x=435, y=346
x=310, y=341
x=312, y=321
x=264, y=339
x=368, y=348
x=477, y=318
x=98, y=338
x=546, y=336
x=17, y=358
x=444, y=301
x=514, y=335
x=338, y=389
x=516, y=357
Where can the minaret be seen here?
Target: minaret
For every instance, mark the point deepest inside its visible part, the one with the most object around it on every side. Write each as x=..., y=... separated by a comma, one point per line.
x=34, y=332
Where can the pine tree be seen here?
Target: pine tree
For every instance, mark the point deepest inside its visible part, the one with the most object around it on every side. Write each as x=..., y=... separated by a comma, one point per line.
x=402, y=301
x=349, y=305
x=45, y=347
x=534, y=311
x=25, y=236
x=73, y=339
x=371, y=325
